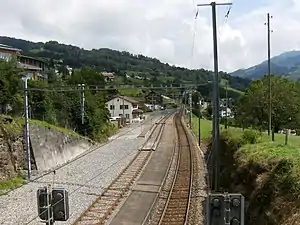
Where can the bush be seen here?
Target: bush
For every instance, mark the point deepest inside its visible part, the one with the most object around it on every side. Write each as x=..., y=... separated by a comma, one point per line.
x=251, y=137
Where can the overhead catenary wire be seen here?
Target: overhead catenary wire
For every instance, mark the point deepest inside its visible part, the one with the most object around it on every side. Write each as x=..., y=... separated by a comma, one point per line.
x=225, y=21
x=194, y=38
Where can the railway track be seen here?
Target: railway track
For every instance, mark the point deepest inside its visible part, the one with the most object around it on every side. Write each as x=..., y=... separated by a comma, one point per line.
x=104, y=205
x=176, y=207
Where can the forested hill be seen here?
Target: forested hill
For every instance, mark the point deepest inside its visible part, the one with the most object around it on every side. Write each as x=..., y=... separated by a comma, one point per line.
x=119, y=62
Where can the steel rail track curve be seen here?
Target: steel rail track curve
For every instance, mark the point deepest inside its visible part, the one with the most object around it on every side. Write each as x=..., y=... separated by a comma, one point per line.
x=177, y=205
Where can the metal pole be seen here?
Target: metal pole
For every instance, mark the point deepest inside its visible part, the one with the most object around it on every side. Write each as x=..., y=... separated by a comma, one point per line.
x=199, y=124
x=27, y=129
x=49, y=205
x=185, y=100
x=82, y=103
x=269, y=76
x=226, y=92
x=123, y=107
x=216, y=99
x=191, y=106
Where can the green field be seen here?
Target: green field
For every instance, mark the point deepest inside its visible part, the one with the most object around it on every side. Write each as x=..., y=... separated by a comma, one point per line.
x=205, y=127
x=264, y=151
x=133, y=92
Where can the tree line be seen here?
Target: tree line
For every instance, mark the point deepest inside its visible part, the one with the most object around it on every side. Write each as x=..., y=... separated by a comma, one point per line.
x=58, y=108
x=252, y=108
x=119, y=62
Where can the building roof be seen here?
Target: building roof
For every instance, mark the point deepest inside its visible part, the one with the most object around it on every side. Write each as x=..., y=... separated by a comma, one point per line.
x=7, y=47
x=28, y=67
x=28, y=57
x=128, y=99
x=137, y=111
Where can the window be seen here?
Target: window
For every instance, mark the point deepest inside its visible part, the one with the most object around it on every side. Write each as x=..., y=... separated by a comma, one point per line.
x=126, y=106
x=120, y=115
x=112, y=107
x=121, y=106
x=127, y=116
x=4, y=55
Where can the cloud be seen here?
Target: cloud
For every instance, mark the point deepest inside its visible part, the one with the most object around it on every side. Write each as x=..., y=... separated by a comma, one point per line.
x=158, y=28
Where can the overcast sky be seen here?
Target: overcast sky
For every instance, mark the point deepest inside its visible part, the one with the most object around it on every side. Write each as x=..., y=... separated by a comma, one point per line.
x=159, y=28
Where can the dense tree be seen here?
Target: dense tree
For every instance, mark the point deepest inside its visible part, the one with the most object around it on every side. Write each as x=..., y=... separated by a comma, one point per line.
x=10, y=85
x=119, y=62
x=57, y=107
x=252, y=108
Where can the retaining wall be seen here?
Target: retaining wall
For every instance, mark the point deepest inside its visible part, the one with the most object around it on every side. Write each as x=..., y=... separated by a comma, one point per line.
x=53, y=148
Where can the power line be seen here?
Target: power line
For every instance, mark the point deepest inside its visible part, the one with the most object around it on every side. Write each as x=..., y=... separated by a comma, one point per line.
x=194, y=37
x=112, y=88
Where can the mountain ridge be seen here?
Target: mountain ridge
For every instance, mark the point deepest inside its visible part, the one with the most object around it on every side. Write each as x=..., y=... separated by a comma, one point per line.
x=285, y=64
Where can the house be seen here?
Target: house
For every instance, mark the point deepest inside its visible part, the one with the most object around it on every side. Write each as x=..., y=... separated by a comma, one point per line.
x=6, y=52
x=35, y=68
x=228, y=111
x=108, y=77
x=153, y=107
x=123, y=106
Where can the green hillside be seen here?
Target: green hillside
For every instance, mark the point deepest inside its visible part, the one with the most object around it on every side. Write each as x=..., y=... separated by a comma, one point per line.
x=151, y=70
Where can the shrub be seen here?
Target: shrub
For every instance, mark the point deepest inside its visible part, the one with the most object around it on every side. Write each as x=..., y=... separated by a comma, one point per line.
x=251, y=137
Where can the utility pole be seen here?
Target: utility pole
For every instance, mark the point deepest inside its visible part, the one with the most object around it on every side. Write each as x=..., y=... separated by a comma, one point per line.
x=27, y=128
x=216, y=97
x=82, y=100
x=269, y=75
x=191, y=106
x=185, y=102
x=123, y=107
x=226, y=96
x=199, y=124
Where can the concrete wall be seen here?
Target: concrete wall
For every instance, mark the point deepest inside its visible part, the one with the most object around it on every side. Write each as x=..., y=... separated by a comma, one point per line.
x=52, y=148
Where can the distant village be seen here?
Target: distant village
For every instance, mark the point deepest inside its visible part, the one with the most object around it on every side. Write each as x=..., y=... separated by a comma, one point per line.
x=119, y=107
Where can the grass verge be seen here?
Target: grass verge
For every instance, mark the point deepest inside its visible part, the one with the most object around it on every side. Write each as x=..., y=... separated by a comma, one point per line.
x=10, y=184
x=53, y=127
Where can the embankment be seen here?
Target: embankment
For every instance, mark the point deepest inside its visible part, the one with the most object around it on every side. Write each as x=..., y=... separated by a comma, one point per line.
x=50, y=147
x=267, y=178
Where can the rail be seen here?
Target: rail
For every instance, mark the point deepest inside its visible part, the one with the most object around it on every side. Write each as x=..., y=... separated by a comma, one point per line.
x=100, y=210
x=178, y=200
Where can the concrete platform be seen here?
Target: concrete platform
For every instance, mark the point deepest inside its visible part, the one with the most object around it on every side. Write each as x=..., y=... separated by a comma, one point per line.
x=147, y=188
x=143, y=195
x=135, y=209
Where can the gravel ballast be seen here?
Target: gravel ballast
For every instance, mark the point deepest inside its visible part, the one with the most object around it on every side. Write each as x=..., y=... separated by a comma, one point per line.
x=84, y=179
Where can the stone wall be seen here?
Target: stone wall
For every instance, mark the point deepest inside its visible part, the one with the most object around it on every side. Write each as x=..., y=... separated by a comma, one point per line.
x=12, y=157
